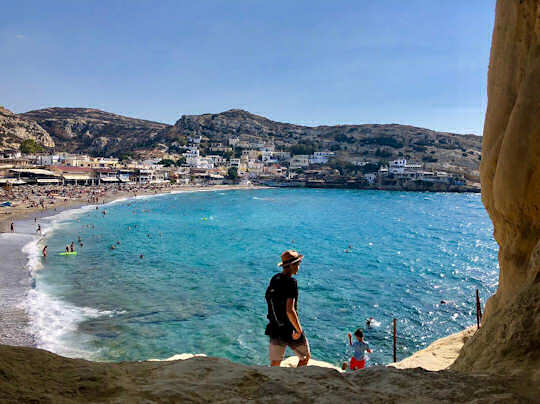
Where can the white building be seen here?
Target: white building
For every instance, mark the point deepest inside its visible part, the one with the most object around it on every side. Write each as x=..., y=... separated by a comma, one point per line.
x=192, y=156
x=50, y=160
x=282, y=155
x=370, y=178
x=401, y=167
x=321, y=157
x=299, y=161
x=194, y=139
x=205, y=162
x=216, y=160
x=268, y=157
x=255, y=167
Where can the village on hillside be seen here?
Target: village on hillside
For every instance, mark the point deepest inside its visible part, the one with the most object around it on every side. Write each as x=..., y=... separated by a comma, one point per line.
x=236, y=162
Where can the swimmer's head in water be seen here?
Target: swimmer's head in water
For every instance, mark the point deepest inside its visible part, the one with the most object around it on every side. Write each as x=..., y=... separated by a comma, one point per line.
x=358, y=333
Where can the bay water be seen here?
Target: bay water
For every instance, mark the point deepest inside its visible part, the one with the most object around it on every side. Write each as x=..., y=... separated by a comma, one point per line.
x=187, y=272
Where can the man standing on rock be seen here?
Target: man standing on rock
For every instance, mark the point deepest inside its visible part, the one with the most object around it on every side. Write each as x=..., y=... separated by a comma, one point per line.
x=284, y=327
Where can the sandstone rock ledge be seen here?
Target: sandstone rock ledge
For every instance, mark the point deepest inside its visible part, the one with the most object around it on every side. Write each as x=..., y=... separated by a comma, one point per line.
x=34, y=375
x=508, y=342
x=439, y=355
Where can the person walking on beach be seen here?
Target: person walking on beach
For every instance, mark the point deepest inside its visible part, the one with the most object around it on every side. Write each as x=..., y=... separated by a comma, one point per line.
x=38, y=229
x=12, y=227
x=284, y=327
x=44, y=251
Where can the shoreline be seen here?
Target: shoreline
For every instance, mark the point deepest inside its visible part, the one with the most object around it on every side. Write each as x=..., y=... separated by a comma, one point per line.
x=19, y=214
x=16, y=272
x=18, y=328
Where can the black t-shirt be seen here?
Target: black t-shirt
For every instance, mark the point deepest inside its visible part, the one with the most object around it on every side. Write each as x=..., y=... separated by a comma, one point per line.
x=281, y=288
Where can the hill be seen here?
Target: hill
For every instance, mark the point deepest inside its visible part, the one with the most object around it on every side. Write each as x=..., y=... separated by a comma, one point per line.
x=98, y=132
x=363, y=142
x=86, y=130
x=15, y=129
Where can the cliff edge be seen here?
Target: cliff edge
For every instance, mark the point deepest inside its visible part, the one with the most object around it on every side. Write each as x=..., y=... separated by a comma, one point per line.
x=509, y=339
x=34, y=375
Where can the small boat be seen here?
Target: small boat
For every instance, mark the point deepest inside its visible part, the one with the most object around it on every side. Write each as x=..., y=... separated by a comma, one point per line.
x=69, y=253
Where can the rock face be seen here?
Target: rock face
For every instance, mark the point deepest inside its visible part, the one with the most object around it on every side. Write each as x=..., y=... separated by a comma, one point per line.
x=15, y=129
x=96, y=132
x=33, y=375
x=370, y=140
x=509, y=340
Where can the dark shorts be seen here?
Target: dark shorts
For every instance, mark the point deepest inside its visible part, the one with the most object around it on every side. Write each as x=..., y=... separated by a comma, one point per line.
x=278, y=346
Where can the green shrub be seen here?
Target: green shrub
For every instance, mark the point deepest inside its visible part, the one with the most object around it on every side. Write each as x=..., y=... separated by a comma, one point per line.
x=30, y=146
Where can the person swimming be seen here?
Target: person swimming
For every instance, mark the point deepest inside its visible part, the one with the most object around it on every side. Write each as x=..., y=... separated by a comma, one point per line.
x=72, y=247
x=369, y=321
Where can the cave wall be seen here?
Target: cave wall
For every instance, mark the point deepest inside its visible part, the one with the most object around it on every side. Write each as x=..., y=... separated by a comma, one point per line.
x=509, y=339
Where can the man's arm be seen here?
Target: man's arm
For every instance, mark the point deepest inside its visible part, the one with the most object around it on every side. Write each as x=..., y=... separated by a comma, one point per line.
x=350, y=338
x=293, y=316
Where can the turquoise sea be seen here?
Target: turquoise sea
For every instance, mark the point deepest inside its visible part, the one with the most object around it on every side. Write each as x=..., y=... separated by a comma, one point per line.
x=208, y=256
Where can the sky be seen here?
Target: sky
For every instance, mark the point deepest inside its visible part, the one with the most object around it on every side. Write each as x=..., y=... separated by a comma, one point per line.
x=416, y=62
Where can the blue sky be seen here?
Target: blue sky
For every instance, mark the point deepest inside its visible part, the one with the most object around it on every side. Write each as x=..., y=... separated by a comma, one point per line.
x=422, y=63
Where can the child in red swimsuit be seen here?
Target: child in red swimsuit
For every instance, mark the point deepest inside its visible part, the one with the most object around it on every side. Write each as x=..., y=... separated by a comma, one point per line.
x=358, y=361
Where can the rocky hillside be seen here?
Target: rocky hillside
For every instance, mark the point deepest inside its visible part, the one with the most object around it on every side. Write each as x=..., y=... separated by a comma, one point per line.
x=15, y=129
x=369, y=141
x=96, y=132
x=102, y=133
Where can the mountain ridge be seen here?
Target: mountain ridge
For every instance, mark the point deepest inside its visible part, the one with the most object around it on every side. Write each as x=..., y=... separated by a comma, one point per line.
x=97, y=132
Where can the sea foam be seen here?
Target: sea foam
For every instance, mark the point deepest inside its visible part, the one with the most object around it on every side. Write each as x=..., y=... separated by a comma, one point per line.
x=52, y=320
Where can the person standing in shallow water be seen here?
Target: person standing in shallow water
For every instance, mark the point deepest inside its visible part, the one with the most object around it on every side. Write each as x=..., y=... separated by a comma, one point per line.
x=284, y=327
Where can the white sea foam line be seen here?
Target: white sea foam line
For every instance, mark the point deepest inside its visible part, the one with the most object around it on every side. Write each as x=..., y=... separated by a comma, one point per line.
x=32, y=252
x=53, y=321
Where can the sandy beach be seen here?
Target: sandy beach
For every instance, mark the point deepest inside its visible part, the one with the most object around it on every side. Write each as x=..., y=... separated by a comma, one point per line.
x=33, y=205
x=28, y=202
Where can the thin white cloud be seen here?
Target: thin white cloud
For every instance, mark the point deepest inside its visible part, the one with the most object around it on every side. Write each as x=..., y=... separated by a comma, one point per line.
x=19, y=36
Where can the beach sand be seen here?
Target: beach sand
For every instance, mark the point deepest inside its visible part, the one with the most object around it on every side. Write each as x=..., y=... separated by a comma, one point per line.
x=27, y=205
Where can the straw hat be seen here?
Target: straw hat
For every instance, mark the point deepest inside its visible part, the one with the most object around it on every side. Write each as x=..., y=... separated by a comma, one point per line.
x=290, y=257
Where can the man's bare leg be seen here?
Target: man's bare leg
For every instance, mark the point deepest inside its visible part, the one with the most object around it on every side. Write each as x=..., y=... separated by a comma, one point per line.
x=275, y=363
